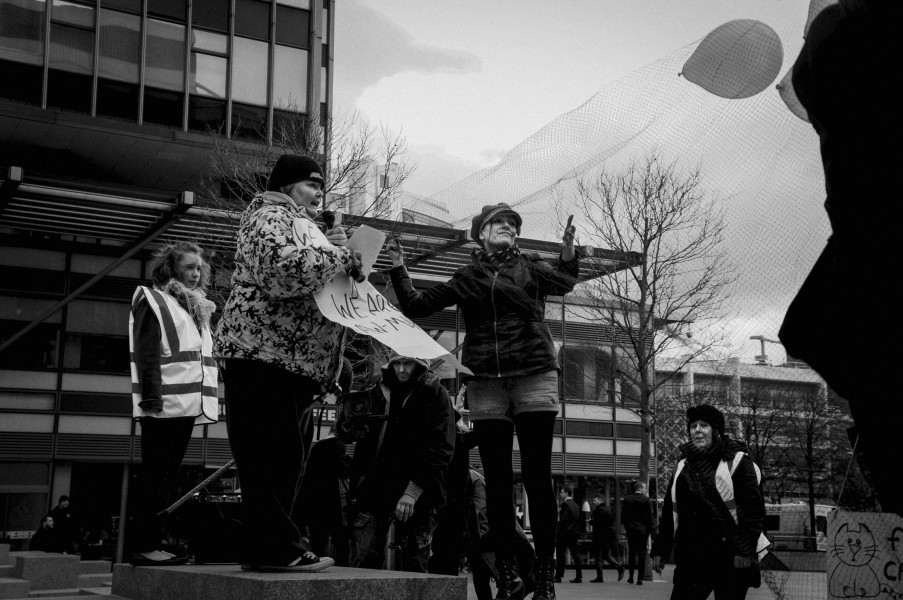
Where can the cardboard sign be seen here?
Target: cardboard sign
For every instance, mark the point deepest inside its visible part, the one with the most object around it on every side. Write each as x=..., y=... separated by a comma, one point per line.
x=865, y=555
x=360, y=307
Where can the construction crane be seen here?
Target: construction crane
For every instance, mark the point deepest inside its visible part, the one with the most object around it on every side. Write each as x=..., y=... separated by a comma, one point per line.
x=762, y=358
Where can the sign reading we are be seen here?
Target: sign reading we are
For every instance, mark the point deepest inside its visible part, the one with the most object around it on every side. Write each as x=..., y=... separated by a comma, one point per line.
x=360, y=307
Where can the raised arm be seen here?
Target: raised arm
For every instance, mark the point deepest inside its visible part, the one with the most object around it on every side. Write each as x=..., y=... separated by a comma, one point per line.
x=412, y=302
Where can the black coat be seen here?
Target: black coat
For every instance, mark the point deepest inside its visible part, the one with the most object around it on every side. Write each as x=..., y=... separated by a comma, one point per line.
x=503, y=307
x=636, y=513
x=414, y=444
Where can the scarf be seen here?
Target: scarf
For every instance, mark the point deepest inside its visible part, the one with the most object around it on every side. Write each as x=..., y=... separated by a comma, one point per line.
x=192, y=300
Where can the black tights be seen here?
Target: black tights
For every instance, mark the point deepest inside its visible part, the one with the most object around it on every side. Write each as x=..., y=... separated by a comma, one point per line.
x=496, y=440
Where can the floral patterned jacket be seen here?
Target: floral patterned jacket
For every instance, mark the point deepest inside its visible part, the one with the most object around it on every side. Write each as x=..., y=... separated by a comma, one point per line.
x=271, y=315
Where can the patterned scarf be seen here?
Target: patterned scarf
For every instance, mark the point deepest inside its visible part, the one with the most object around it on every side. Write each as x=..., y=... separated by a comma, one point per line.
x=192, y=300
x=497, y=258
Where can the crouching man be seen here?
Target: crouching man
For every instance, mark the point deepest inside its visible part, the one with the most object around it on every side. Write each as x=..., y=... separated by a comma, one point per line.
x=405, y=433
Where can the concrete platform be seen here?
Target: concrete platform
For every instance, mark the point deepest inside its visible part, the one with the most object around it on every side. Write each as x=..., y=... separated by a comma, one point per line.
x=46, y=571
x=13, y=588
x=89, y=567
x=228, y=582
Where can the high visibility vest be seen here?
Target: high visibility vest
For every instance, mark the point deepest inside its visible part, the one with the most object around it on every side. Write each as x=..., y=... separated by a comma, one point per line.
x=724, y=483
x=187, y=367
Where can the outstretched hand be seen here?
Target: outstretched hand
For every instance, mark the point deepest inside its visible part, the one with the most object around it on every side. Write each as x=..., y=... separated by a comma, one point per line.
x=395, y=252
x=567, y=250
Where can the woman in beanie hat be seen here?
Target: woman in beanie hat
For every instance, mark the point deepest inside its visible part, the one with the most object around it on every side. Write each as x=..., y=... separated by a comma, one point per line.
x=716, y=498
x=278, y=351
x=509, y=348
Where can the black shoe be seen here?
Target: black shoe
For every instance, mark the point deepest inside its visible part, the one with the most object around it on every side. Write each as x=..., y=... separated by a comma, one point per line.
x=596, y=580
x=544, y=570
x=576, y=580
x=630, y=579
x=639, y=581
x=620, y=573
x=509, y=584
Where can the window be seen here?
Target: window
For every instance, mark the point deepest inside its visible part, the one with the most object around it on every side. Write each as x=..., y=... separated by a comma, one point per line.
x=171, y=9
x=164, y=73
x=249, y=83
x=590, y=429
x=292, y=27
x=99, y=353
x=631, y=431
x=290, y=79
x=249, y=121
x=71, y=67
x=120, y=54
x=211, y=14
x=36, y=350
x=252, y=19
x=22, y=49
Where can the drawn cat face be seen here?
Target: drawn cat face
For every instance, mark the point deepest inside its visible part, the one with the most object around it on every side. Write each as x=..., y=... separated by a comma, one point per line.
x=854, y=544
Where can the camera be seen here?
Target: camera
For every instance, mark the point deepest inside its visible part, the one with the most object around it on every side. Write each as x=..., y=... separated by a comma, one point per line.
x=357, y=413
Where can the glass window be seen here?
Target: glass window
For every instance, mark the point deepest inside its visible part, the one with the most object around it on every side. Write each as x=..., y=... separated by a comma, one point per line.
x=71, y=49
x=290, y=79
x=36, y=350
x=87, y=316
x=172, y=9
x=325, y=22
x=22, y=32
x=305, y=4
x=120, y=46
x=110, y=404
x=206, y=114
x=26, y=401
x=324, y=79
x=252, y=19
x=162, y=107
x=208, y=75
x=630, y=431
x=117, y=99
x=292, y=27
x=209, y=41
x=105, y=354
x=132, y=6
x=212, y=14
x=165, y=66
x=249, y=83
x=249, y=121
x=589, y=429
x=74, y=14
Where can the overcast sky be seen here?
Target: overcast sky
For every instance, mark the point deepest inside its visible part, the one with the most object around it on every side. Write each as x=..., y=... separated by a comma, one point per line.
x=466, y=80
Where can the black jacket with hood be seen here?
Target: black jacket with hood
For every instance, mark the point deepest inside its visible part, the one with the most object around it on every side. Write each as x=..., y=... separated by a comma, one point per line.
x=414, y=443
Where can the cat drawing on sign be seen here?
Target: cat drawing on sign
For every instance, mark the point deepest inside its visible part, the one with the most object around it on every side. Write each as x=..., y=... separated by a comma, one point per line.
x=854, y=546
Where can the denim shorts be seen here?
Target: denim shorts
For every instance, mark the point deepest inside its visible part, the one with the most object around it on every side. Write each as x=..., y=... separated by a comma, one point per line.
x=504, y=397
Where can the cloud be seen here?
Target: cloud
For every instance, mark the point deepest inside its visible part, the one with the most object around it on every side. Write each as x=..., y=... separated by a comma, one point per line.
x=380, y=48
x=436, y=169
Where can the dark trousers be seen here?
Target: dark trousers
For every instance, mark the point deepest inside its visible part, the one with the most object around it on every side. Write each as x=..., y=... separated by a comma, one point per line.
x=268, y=419
x=534, y=436
x=690, y=588
x=567, y=542
x=636, y=551
x=413, y=539
x=163, y=445
x=602, y=554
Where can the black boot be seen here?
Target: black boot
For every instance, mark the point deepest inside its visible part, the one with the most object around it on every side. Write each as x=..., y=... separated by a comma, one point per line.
x=510, y=585
x=544, y=568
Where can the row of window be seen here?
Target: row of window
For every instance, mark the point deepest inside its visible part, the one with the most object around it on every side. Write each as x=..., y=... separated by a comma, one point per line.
x=111, y=61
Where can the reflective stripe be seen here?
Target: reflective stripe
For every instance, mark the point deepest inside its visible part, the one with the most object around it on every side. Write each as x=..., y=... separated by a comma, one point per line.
x=172, y=389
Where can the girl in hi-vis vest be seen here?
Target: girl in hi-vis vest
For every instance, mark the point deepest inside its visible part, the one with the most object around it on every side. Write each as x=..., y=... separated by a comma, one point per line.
x=174, y=386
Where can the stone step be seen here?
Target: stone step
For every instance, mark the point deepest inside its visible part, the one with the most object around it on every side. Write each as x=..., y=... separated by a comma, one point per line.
x=55, y=594
x=92, y=580
x=88, y=567
x=11, y=587
x=4, y=555
x=7, y=570
x=46, y=571
x=229, y=582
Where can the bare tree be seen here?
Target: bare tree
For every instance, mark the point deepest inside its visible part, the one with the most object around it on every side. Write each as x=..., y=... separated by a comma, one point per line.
x=365, y=166
x=660, y=211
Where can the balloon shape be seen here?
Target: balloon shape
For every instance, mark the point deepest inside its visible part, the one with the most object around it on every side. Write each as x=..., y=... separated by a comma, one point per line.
x=736, y=60
x=815, y=7
x=788, y=95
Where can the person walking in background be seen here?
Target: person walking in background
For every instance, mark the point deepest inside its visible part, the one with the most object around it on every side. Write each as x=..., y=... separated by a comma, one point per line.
x=637, y=517
x=720, y=517
x=604, y=540
x=568, y=532
x=509, y=349
x=65, y=525
x=278, y=352
x=174, y=385
x=399, y=467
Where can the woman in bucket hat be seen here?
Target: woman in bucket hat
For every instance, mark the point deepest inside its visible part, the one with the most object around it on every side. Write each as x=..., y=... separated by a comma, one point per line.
x=509, y=348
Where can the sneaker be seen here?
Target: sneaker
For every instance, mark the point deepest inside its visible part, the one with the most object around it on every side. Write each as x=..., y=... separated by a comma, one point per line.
x=577, y=580
x=306, y=563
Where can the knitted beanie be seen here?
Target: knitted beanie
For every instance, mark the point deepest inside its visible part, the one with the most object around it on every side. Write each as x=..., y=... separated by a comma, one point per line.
x=292, y=168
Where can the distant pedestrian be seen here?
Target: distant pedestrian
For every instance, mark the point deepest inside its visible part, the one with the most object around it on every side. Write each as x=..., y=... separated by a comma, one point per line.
x=65, y=525
x=636, y=515
x=604, y=538
x=568, y=533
